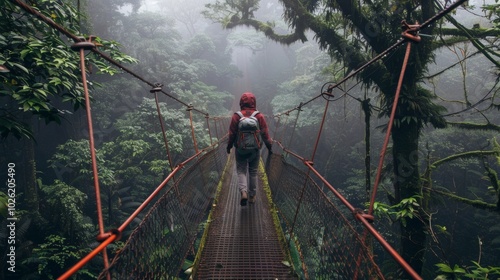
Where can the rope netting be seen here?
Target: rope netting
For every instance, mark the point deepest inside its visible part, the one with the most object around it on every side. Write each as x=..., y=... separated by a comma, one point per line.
x=322, y=233
x=158, y=247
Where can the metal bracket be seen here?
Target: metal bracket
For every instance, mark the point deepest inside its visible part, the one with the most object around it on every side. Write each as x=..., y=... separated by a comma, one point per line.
x=410, y=32
x=156, y=88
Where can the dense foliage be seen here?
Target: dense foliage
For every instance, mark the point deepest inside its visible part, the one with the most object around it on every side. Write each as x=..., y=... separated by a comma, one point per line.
x=454, y=187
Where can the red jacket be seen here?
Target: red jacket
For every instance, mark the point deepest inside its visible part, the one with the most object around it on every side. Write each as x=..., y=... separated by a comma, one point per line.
x=248, y=106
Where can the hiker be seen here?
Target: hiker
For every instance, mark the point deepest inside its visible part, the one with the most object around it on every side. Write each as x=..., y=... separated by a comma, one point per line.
x=248, y=143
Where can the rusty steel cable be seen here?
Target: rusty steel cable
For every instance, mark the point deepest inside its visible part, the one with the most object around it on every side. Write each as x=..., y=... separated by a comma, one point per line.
x=389, y=129
x=323, y=119
x=209, y=132
x=299, y=108
x=162, y=124
x=321, y=215
x=81, y=47
x=120, y=66
x=193, y=136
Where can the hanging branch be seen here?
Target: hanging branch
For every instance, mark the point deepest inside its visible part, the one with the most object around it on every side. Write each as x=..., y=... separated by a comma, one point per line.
x=472, y=202
x=492, y=175
x=467, y=33
x=474, y=126
x=471, y=154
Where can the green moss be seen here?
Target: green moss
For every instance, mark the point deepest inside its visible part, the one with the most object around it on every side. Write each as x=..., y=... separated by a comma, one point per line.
x=210, y=215
x=274, y=213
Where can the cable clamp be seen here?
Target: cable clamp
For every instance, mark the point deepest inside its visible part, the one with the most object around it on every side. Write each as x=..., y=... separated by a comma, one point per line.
x=309, y=162
x=360, y=213
x=328, y=93
x=85, y=44
x=299, y=108
x=156, y=88
x=410, y=32
x=106, y=235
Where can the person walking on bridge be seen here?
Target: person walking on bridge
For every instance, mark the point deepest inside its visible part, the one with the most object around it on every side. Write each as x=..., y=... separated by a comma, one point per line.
x=247, y=131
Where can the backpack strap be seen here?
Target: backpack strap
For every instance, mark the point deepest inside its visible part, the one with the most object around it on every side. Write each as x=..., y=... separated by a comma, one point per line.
x=239, y=113
x=254, y=113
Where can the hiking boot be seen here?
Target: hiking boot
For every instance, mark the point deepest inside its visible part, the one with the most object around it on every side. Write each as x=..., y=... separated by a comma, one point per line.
x=251, y=199
x=244, y=198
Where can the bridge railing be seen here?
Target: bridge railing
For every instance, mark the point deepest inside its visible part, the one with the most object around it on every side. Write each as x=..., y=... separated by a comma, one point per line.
x=328, y=238
x=157, y=248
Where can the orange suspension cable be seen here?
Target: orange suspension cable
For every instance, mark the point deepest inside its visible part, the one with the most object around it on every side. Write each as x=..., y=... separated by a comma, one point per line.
x=282, y=139
x=45, y=19
x=320, y=130
x=299, y=108
x=89, y=257
x=208, y=127
x=157, y=191
x=190, y=109
x=366, y=220
x=389, y=128
x=81, y=47
x=277, y=126
x=155, y=90
x=355, y=72
x=216, y=129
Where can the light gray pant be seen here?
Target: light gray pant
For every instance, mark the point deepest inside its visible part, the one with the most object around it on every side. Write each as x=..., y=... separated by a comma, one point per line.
x=247, y=163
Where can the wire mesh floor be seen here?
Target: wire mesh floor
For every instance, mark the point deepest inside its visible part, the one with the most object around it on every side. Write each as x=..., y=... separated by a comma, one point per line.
x=242, y=241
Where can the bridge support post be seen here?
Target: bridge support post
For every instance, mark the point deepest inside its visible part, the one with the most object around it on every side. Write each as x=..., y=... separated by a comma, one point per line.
x=81, y=47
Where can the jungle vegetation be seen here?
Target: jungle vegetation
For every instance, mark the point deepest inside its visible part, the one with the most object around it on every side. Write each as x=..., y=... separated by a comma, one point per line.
x=440, y=196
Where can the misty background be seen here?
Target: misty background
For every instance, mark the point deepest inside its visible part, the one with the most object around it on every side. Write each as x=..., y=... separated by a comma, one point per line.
x=209, y=67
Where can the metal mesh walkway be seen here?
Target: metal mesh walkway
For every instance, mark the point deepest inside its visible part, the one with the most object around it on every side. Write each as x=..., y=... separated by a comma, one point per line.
x=242, y=242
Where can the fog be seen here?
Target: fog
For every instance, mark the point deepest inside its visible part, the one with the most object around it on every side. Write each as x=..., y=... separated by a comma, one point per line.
x=207, y=66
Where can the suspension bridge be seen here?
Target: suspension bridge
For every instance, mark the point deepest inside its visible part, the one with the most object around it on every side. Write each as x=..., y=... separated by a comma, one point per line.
x=300, y=227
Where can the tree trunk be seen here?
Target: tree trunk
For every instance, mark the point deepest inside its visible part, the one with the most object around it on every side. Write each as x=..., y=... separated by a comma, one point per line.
x=407, y=184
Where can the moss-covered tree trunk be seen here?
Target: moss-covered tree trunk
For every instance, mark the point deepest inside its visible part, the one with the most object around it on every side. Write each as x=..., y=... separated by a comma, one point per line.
x=407, y=184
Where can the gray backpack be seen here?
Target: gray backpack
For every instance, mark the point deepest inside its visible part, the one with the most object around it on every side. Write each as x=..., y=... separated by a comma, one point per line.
x=248, y=133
